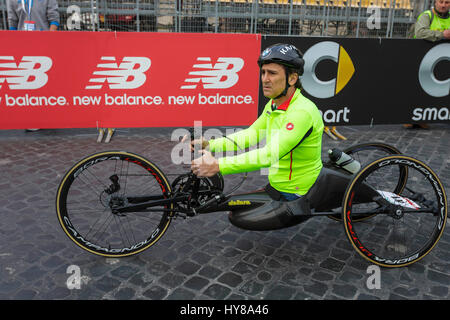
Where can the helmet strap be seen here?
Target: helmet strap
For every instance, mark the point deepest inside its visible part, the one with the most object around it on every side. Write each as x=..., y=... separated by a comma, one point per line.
x=284, y=92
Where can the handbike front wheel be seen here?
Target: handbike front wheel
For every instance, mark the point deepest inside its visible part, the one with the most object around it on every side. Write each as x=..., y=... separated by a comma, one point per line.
x=405, y=226
x=93, y=187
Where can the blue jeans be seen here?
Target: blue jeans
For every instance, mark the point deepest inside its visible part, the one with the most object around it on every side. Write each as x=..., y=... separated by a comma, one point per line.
x=289, y=196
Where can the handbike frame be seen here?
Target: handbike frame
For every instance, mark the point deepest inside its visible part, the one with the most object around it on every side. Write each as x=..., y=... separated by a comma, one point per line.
x=219, y=202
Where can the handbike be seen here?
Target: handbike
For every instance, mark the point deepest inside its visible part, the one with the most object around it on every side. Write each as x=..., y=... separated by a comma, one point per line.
x=393, y=210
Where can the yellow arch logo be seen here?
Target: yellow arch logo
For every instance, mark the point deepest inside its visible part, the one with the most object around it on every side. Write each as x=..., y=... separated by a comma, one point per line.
x=326, y=50
x=345, y=71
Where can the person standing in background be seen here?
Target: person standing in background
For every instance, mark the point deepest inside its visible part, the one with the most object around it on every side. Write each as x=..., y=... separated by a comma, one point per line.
x=33, y=15
x=434, y=24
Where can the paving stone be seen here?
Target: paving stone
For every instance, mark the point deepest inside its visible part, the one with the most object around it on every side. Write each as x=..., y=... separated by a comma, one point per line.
x=251, y=288
x=217, y=291
x=345, y=290
x=57, y=293
x=322, y=276
x=140, y=279
x=439, y=277
x=125, y=294
x=332, y=264
x=280, y=292
x=406, y=292
x=243, y=268
x=209, y=272
x=231, y=279
x=316, y=288
x=181, y=294
x=10, y=286
x=33, y=274
x=26, y=294
x=107, y=284
x=350, y=276
x=201, y=258
x=172, y=280
x=364, y=296
x=155, y=293
x=188, y=268
x=196, y=283
x=124, y=272
x=264, y=276
x=439, y=291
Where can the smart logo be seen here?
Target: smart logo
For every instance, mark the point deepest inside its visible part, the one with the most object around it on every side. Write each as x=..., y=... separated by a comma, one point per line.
x=431, y=85
x=326, y=50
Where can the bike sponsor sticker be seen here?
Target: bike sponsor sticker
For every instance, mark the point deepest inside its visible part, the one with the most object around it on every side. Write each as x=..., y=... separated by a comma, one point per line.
x=398, y=200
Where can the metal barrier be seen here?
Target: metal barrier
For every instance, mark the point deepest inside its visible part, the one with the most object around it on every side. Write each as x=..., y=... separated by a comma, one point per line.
x=343, y=18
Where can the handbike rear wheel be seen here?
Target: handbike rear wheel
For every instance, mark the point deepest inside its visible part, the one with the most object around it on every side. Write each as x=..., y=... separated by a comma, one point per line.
x=365, y=153
x=405, y=226
x=95, y=185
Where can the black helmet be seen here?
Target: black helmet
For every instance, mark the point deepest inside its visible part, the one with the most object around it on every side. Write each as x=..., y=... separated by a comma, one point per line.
x=284, y=54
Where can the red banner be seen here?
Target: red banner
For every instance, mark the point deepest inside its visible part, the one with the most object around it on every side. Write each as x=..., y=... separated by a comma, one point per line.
x=108, y=79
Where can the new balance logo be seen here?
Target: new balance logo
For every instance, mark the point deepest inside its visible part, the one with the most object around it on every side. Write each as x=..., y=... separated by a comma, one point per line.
x=29, y=74
x=130, y=74
x=224, y=73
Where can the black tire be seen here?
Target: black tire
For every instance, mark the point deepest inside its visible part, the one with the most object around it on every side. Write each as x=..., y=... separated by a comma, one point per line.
x=373, y=150
x=364, y=153
x=404, y=226
x=86, y=194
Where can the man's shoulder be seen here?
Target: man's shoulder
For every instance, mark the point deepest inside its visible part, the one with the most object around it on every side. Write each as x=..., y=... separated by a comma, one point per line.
x=304, y=102
x=427, y=14
x=304, y=105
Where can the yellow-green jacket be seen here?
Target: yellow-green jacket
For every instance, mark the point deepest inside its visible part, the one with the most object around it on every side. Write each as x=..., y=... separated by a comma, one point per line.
x=292, y=150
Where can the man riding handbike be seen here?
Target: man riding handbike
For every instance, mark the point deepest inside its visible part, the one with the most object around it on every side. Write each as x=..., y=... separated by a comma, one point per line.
x=291, y=124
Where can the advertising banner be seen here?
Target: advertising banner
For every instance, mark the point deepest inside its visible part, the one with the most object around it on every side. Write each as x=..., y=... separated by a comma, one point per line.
x=126, y=79
x=374, y=81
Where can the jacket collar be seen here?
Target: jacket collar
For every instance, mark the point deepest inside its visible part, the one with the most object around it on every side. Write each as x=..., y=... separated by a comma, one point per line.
x=285, y=105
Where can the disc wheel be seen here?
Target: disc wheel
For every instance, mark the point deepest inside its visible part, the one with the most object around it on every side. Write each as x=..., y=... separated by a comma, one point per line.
x=95, y=186
x=404, y=226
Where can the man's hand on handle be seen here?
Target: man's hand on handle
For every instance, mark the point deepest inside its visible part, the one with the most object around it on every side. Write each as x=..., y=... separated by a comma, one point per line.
x=206, y=165
x=201, y=143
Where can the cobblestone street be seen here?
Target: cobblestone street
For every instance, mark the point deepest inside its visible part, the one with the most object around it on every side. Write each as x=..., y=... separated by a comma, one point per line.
x=204, y=257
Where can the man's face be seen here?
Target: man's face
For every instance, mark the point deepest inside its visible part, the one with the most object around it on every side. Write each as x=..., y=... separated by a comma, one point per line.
x=273, y=78
x=442, y=6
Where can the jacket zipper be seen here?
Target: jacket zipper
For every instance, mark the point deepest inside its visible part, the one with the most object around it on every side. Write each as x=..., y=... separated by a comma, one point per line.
x=290, y=168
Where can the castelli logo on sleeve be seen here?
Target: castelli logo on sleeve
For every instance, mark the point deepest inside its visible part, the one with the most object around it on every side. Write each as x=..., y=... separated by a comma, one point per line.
x=290, y=126
x=29, y=74
x=129, y=74
x=222, y=75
